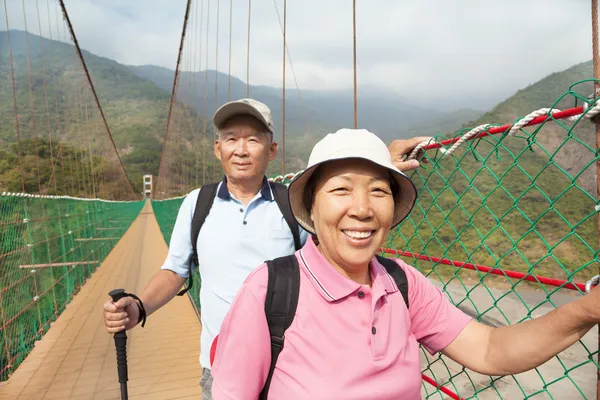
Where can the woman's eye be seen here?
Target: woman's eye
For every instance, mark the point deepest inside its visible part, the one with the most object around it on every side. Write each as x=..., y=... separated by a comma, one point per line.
x=381, y=191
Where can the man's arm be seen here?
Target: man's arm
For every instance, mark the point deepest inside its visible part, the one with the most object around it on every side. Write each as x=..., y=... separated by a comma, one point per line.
x=166, y=283
x=517, y=348
x=163, y=286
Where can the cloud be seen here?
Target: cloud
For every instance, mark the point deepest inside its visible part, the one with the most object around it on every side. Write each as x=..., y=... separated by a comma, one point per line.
x=468, y=53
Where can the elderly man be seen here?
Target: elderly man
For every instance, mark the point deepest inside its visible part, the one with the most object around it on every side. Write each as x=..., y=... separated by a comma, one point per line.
x=249, y=222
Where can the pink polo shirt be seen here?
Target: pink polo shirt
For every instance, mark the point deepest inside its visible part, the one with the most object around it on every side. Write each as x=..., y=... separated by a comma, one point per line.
x=342, y=344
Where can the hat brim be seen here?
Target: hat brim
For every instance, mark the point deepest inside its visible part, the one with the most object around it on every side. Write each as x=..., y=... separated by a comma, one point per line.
x=232, y=109
x=403, y=202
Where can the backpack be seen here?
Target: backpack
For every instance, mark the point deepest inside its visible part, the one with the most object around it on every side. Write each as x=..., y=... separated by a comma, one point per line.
x=283, y=289
x=203, y=205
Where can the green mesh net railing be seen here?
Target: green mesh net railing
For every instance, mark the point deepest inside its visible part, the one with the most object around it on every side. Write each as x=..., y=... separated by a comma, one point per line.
x=49, y=247
x=507, y=226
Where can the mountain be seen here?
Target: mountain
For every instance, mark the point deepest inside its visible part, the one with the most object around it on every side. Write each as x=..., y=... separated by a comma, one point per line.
x=384, y=113
x=440, y=125
x=572, y=151
x=135, y=101
x=308, y=119
x=135, y=108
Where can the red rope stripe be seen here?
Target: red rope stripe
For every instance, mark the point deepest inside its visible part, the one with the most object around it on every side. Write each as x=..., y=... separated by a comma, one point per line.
x=571, y=112
x=495, y=271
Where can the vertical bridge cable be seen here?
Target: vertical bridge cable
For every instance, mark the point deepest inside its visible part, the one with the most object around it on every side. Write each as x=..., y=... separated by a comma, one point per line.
x=596, y=61
x=248, y=52
x=161, y=171
x=205, y=95
x=216, y=91
x=289, y=57
x=61, y=153
x=230, y=25
x=354, y=53
x=93, y=89
x=193, y=83
x=283, y=97
x=49, y=130
x=16, y=110
x=32, y=101
x=200, y=142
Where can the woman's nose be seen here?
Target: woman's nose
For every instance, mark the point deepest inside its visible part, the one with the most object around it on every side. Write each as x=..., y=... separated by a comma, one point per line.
x=361, y=206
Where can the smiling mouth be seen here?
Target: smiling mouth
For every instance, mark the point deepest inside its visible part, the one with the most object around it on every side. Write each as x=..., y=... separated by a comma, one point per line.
x=358, y=234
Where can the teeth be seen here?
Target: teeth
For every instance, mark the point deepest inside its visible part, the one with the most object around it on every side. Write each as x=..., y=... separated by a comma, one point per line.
x=358, y=235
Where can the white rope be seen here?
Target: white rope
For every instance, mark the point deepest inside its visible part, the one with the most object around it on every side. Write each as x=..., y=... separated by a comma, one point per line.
x=420, y=146
x=170, y=198
x=587, y=113
x=473, y=132
x=41, y=196
x=282, y=178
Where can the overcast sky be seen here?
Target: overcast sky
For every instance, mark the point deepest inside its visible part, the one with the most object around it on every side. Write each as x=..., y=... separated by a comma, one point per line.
x=445, y=54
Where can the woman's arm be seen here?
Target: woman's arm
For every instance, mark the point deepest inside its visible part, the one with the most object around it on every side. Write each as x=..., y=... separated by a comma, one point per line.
x=243, y=353
x=517, y=348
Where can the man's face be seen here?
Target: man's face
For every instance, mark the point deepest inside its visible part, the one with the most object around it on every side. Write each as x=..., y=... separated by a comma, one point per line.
x=245, y=148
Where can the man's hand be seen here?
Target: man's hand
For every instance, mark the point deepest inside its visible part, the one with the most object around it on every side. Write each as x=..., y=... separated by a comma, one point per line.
x=399, y=148
x=121, y=315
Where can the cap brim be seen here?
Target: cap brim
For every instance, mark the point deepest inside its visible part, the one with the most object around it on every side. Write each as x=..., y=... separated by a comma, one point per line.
x=233, y=109
x=403, y=203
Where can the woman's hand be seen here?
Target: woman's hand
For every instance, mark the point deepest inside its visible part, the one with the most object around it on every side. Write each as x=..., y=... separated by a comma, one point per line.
x=401, y=147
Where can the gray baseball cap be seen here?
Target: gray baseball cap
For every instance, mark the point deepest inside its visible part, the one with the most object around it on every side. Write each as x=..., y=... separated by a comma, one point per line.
x=244, y=107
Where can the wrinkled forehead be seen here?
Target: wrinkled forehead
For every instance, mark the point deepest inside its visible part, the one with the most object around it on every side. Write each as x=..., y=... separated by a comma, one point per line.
x=243, y=125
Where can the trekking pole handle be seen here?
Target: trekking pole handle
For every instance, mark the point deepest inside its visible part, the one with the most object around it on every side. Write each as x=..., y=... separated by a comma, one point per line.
x=116, y=294
x=121, y=347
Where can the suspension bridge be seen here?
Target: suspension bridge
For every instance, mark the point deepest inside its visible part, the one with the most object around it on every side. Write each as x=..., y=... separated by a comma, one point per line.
x=506, y=222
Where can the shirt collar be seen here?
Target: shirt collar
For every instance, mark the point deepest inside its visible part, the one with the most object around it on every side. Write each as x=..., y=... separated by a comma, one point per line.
x=334, y=286
x=265, y=190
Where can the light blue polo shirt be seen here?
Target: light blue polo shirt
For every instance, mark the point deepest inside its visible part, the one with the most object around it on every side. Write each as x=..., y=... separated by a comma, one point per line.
x=233, y=241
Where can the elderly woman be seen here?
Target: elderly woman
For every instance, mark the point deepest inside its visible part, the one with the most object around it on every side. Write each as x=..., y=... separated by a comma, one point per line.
x=353, y=335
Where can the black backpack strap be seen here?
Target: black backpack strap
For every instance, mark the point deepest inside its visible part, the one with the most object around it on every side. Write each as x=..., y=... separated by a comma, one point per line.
x=283, y=201
x=283, y=289
x=397, y=274
x=203, y=205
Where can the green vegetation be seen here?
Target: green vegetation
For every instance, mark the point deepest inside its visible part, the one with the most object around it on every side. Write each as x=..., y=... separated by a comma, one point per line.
x=62, y=169
x=65, y=110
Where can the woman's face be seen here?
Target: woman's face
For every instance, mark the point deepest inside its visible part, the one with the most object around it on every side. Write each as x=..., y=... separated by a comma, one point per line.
x=352, y=211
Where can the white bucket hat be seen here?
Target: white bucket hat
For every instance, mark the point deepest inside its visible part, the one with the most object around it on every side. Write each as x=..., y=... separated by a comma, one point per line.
x=348, y=144
x=244, y=107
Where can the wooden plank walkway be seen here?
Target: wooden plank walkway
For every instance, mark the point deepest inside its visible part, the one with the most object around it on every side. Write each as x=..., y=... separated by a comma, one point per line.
x=76, y=359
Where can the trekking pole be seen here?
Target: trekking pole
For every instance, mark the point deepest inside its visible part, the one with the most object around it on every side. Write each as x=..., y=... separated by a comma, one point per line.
x=121, y=345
